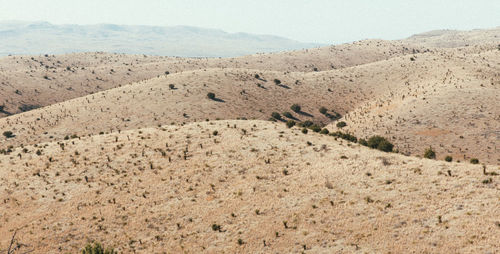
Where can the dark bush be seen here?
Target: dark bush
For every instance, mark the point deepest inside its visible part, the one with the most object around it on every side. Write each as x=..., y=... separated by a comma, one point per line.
x=296, y=108
x=172, y=86
x=306, y=124
x=323, y=110
x=315, y=128
x=211, y=96
x=304, y=130
x=429, y=153
x=97, y=248
x=448, y=158
x=276, y=115
x=288, y=114
x=324, y=131
x=277, y=81
x=345, y=136
x=341, y=124
x=380, y=143
x=474, y=161
x=290, y=123
x=8, y=134
x=363, y=142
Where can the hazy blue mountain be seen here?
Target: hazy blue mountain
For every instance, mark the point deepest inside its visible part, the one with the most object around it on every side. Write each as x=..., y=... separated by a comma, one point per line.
x=45, y=38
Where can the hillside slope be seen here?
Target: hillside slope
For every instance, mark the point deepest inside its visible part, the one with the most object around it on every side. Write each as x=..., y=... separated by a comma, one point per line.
x=254, y=187
x=28, y=82
x=416, y=101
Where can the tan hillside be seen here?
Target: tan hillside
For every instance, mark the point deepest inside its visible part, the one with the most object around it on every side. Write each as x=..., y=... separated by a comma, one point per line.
x=445, y=99
x=255, y=187
x=452, y=106
x=28, y=82
x=454, y=38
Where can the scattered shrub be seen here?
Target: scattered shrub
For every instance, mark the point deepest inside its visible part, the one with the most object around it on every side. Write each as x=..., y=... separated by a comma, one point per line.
x=276, y=115
x=341, y=124
x=172, y=86
x=448, y=158
x=324, y=131
x=429, y=153
x=296, y=108
x=287, y=114
x=304, y=130
x=8, y=134
x=380, y=143
x=474, y=161
x=211, y=96
x=323, y=110
x=315, y=128
x=290, y=123
x=363, y=142
x=97, y=248
x=307, y=124
x=345, y=136
x=277, y=81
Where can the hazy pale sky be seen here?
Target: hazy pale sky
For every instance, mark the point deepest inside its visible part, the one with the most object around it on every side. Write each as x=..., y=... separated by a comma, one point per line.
x=324, y=21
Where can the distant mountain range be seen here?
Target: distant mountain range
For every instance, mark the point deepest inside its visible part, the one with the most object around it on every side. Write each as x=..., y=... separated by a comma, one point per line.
x=29, y=38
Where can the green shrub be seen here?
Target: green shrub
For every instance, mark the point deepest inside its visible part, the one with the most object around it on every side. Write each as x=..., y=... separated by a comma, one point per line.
x=429, y=153
x=345, y=136
x=296, y=108
x=277, y=81
x=363, y=142
x=448, y=158
x=474, y=161
x=290, y=123
x=97, y=248
x=276, y=115
x=304, y=130
x=324, y=131
x=287, y=114
x=323, y=110
x=380, y=143
x=172, y=86
x=211, y=96
x=8, y=134
x=306, y=124
x=315, y=128
x=341, y=124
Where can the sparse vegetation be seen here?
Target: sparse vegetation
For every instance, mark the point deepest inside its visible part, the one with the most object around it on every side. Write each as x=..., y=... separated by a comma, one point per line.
x=8, y=134
x=474, y=161
x=97, y=248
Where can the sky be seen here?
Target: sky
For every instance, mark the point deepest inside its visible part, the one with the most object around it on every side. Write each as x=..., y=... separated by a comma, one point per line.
x=321, y=21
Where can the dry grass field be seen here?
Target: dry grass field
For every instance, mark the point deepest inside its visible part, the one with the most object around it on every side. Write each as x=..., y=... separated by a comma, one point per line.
x=183, y=189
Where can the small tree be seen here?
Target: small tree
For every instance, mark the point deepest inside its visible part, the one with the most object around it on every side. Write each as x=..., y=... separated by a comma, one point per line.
x=277, y=81
x=211, y=96
x=429, y=153
x=172, y=86
x=296, y=108
x=474, y=161
x=448, y=158
x=290, y=123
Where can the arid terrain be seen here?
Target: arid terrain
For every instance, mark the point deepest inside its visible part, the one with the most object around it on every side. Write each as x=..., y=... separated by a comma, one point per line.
x=129, y=150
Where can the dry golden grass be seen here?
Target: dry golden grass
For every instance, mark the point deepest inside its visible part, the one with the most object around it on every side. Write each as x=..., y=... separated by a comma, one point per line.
x=162, y=189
